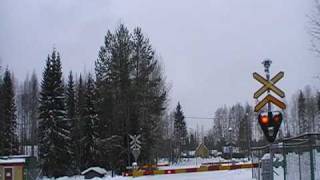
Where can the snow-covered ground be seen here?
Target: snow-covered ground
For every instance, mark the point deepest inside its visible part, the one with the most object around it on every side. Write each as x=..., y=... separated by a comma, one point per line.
x=196, y=162
x=243, y=174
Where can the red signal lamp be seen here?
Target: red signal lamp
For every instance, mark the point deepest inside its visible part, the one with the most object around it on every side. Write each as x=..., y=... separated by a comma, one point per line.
x=264, y=120
x=277, y=117
x=270, y=123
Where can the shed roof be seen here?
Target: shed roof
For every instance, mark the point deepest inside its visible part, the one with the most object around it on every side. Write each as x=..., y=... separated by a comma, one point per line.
x=96, y=169
x=12, y=160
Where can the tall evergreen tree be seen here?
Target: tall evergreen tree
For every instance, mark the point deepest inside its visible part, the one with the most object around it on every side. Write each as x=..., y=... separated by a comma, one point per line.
x=54, y=129
x=70, y=115
x=112, y=72
x=9, y=141
x=90, y=136
x=77, y=128
x=148, y=95
x=180, y=128
x=70, y=98
x=131, y=92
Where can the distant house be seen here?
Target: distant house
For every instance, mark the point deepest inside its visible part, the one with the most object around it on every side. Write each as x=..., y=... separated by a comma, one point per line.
x=94, y=172
x=12, y=168
x=202, y=151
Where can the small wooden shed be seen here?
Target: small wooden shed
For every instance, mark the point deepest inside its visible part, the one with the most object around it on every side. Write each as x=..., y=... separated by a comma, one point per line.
x=94, y=172
x=202, y=151
x=12, y=168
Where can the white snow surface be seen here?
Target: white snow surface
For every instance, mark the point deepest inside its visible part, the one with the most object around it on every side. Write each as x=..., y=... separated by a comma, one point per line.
x=243, y=174
x=13, y=160
x=196, y=162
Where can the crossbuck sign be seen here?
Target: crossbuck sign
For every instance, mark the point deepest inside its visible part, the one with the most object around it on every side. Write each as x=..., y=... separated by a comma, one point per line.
x=135, y=145
x=269, y=86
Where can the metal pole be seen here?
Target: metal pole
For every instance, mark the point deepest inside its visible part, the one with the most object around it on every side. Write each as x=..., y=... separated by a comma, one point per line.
x=300, y=177
x=311, y=158
x=231, y=149
x=267, y=63
x=284, y=161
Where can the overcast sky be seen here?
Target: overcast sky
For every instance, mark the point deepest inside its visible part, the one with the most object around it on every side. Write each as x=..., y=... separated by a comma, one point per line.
x=209, y=48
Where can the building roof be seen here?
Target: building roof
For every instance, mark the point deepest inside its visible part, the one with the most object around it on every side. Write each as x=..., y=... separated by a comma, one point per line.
x=202, y=150
x=96, y=169
x=6, y=160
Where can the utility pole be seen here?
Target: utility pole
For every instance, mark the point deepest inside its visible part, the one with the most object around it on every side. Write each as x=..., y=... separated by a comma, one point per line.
x=230, y=139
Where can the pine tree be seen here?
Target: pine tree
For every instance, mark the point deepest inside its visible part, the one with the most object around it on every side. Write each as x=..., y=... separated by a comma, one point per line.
x=9, y=139
x=113, y=72
x=54, y=130
x=148, y=94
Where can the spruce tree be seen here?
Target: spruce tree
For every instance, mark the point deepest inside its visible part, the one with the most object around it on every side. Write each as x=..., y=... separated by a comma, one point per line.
x=54, y=128
x=70, y=98
x=90, y=136
x=9, y=141
x=78, y=125
x=70, y=115
x=180, y=128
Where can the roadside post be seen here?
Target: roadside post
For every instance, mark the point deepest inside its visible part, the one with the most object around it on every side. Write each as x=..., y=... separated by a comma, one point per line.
x=135, y=146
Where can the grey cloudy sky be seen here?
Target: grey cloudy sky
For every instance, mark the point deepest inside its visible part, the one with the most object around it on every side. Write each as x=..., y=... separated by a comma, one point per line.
x=209, y=48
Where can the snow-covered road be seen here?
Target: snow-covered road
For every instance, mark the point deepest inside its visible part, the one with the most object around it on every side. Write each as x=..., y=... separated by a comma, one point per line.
x=243, y=174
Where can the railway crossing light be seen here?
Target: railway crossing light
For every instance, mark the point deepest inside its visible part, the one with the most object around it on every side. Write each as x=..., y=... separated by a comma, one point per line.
x=270, y=123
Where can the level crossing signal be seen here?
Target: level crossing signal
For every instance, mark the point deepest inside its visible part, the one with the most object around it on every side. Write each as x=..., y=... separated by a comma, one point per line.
x=270, y=123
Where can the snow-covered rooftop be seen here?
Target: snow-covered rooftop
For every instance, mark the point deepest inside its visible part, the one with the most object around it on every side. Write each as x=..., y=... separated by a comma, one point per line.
x=96, y=169
x=12, y=160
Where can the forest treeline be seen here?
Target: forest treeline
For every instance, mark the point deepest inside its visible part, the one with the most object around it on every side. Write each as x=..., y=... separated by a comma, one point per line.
x=75, y=121
x=301, y=116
